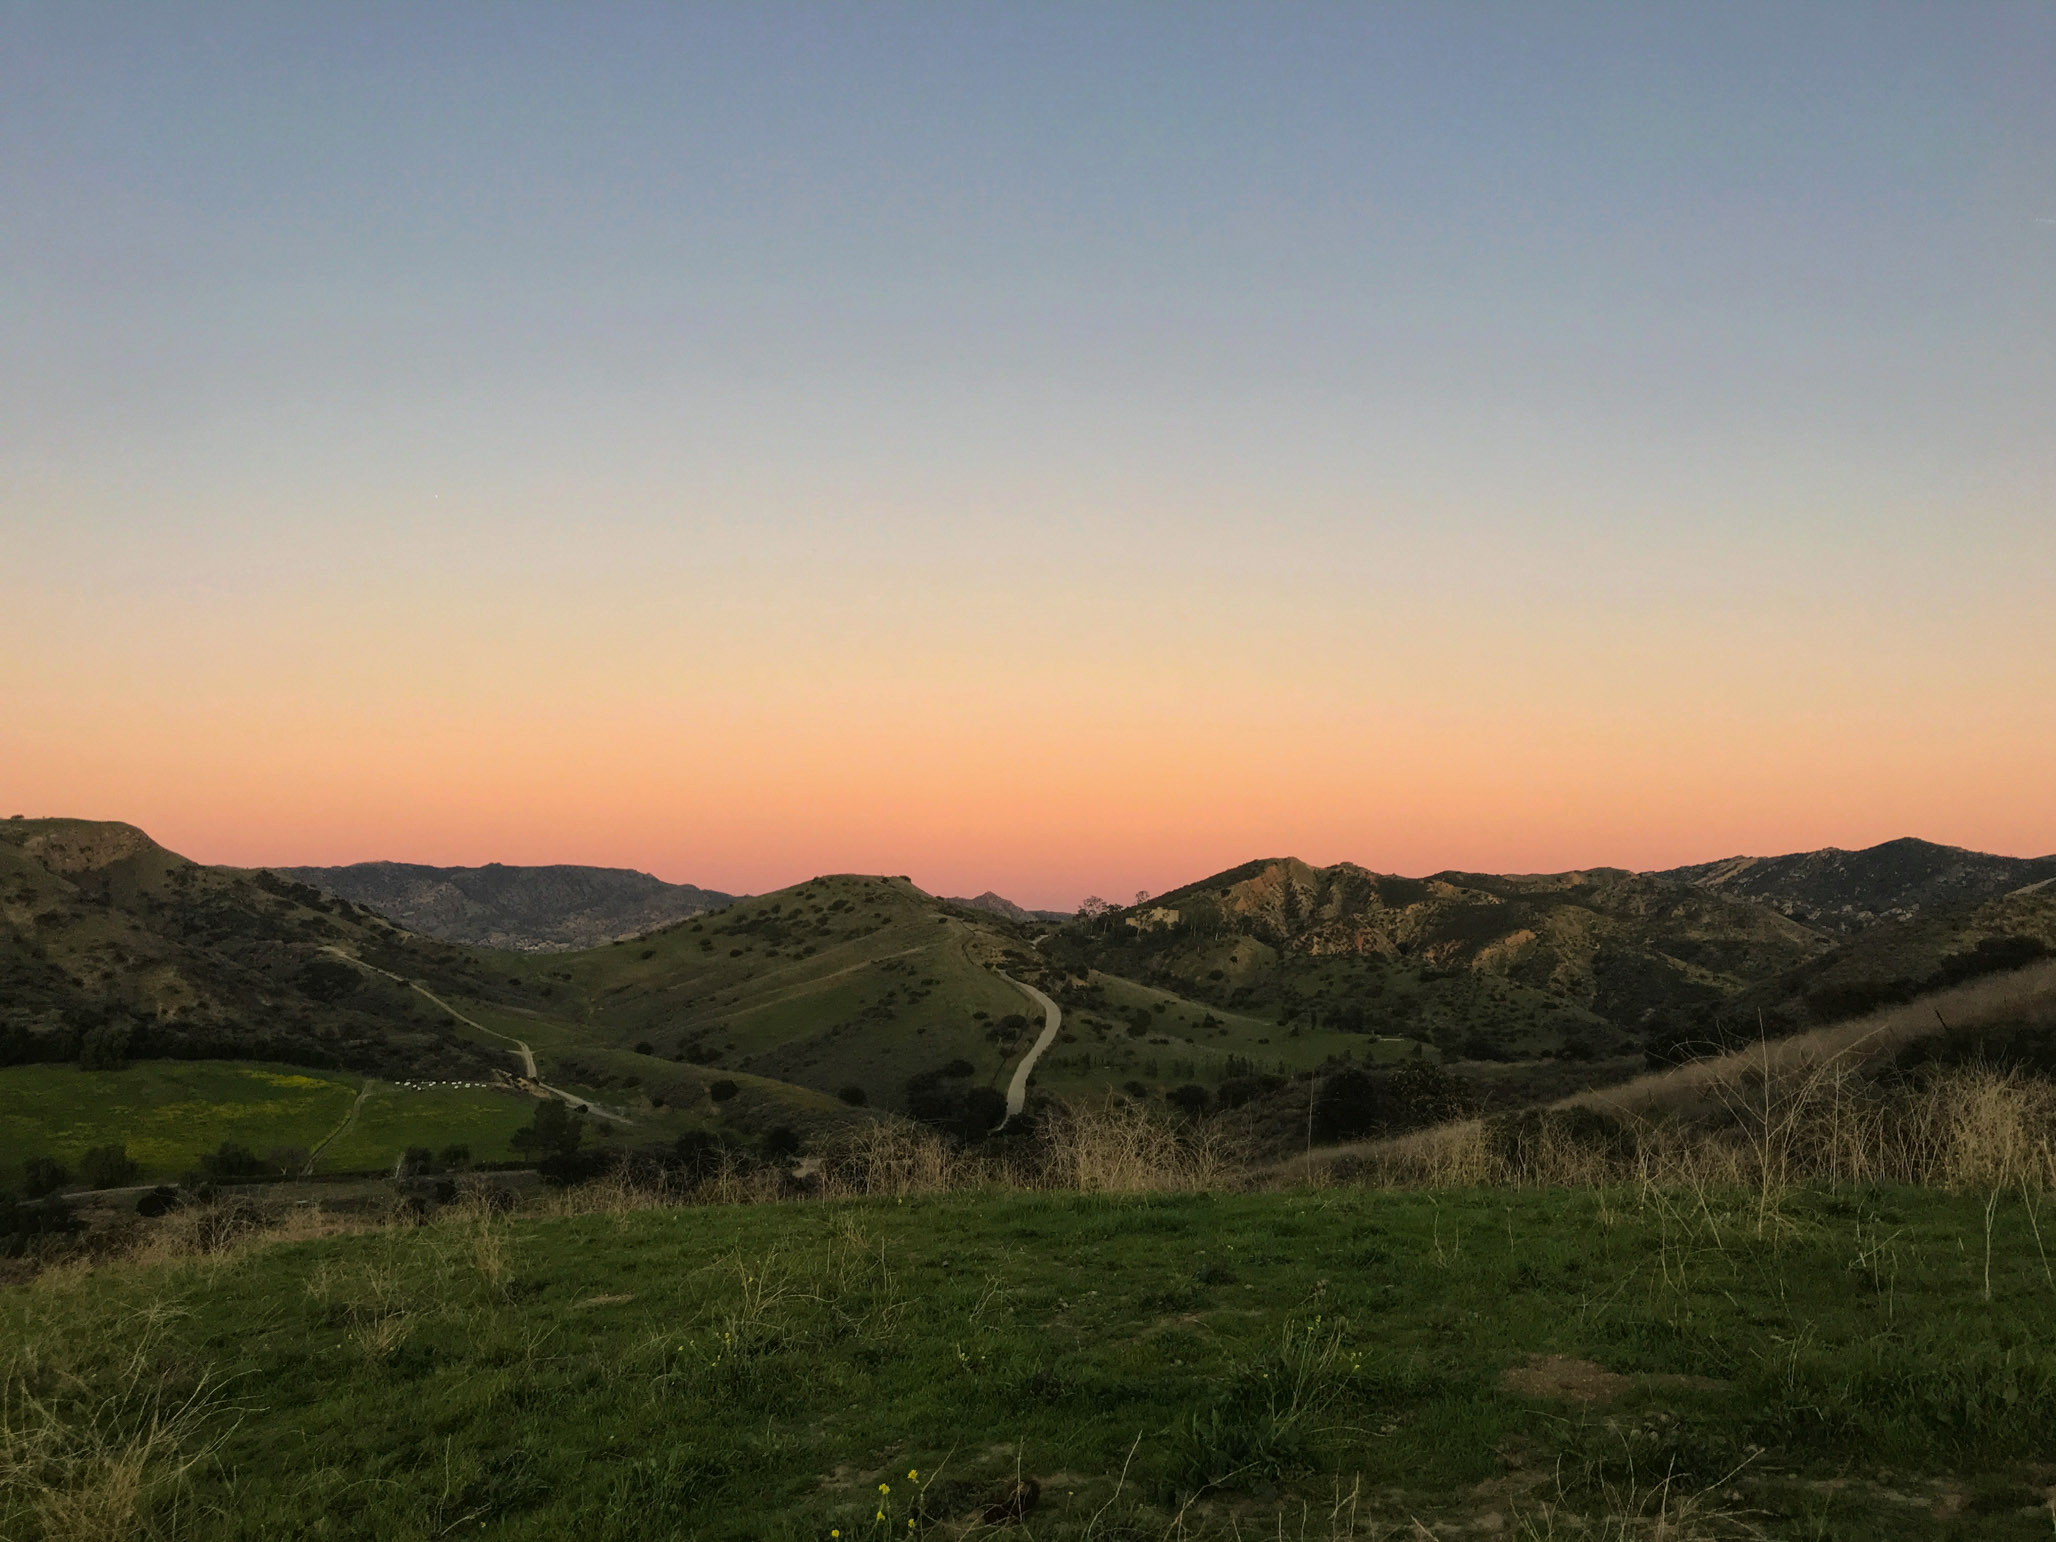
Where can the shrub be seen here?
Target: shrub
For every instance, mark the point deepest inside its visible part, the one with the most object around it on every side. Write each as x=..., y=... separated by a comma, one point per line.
x=231, y=1159
x=291, y=1161
x=1190, y=1099
x=552, y=1131
x=1427, y=1093
x=105, y=1048
x=1351, y=1103
x=329, y=979
x=455, y=1157
x=107, y=1167
x=42, y=1175
x=21, y=1224
x=699, y=1154
x=855, y=1096
x=417, y=1162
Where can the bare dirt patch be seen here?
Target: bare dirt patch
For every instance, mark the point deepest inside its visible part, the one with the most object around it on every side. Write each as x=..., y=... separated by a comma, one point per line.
x=1566, y=1379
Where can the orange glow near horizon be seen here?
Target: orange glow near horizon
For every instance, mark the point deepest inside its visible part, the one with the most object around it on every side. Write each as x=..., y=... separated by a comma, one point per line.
x=1091, y=766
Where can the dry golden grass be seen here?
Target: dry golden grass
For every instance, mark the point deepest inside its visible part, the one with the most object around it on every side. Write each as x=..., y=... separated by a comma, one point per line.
x=103, y=1458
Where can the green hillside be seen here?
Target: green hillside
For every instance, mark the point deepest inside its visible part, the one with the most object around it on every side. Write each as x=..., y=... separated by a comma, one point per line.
x=1482, y=966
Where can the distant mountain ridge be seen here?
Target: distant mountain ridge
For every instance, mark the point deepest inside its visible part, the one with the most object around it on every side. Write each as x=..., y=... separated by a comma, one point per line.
x=549, y=909
x=1000, y=905
x=112, y=946
x=1847, y=891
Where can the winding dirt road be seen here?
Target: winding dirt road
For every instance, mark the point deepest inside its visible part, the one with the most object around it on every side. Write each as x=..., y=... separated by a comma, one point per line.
x=1052, y=1020
x=520, y=1045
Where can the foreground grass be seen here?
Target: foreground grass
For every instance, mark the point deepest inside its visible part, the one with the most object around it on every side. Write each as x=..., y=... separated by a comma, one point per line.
x=1860, y=1365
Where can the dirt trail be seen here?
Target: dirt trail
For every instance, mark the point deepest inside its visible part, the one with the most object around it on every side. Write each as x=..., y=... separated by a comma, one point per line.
x=349, y=1119
x=1052, y=1021
x=521, y=1048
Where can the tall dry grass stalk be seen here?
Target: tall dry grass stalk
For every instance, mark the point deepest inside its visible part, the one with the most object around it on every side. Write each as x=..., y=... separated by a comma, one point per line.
x=105, y=1457
x=1764, y=1129
x=899, y=1158
x=1117, y=1147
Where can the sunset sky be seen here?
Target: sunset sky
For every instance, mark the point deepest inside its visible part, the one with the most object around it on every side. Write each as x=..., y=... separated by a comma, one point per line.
x=1050, y=448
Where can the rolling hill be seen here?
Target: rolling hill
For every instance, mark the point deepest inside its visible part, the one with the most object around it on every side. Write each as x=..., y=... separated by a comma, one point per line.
x=525, y=909
x=107, y=937
x=1481, y=965
x=1846, y=891
x=852, y=993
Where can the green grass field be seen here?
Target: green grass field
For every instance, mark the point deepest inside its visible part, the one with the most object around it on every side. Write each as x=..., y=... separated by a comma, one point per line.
x=1339, y=1363
x=168, y=1111
x=393, y=1117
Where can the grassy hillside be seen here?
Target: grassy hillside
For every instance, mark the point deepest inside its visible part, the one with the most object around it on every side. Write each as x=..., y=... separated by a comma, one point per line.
x=852, y=982
x=1481, y=966
x=1333, y=1364
x=105, y=935
x=1889, y=964
x=848, y=994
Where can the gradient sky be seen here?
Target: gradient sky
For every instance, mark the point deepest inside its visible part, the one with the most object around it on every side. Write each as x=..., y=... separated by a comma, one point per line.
x=1056, y=448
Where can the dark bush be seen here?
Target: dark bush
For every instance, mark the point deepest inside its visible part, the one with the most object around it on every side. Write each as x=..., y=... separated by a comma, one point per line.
x=161, y=1200
x=1190, y=1099
x=417, y=1162
x=959, y=1069
x=699, y=1155
x=107, y=1167
x=552, y=1131
x=722, y=1091
x=21, y=1224
x=42, y=1175
x=1351, y=1103
x=854, y=1095
x=780, y=1143
x=1238, y=1090
x=105, y=1048
x=563, y=1168
x=456, y=1157
x=231, y=1159
x=1428, y=1093
x=329, y=979
x=980, y=1113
